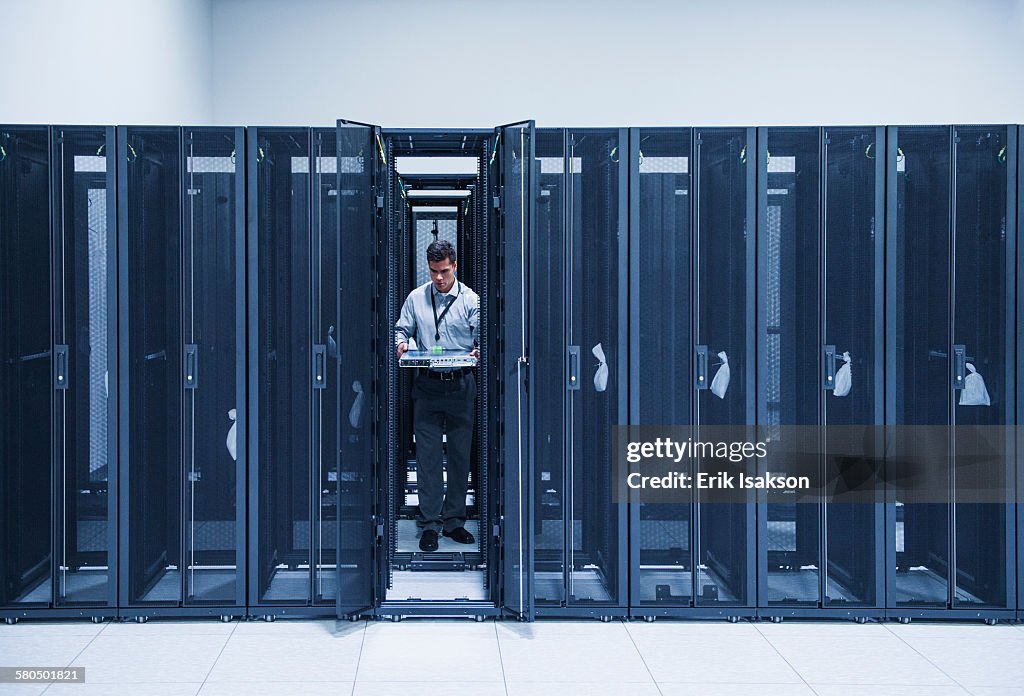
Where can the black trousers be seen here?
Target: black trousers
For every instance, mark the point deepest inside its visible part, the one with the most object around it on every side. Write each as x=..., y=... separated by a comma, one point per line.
x=440, y=407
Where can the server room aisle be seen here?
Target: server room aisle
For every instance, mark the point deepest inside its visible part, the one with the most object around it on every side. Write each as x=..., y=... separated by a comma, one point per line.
x=457, y=657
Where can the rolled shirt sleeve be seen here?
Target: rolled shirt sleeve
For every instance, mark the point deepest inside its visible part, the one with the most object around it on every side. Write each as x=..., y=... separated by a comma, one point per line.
x=405, y=328
x=473, y=312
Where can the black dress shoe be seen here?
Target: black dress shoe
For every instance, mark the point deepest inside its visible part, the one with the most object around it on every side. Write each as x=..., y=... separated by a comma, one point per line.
x=428, y=542
x=460, y=535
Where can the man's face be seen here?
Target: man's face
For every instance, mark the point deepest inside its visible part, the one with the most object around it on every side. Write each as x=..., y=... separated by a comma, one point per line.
x=442, y=274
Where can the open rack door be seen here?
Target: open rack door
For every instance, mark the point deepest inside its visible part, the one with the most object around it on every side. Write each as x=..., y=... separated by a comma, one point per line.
x=515, y=201
x=354, y=359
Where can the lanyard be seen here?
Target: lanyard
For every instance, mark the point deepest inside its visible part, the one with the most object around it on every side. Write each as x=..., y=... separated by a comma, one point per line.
x=438, y=319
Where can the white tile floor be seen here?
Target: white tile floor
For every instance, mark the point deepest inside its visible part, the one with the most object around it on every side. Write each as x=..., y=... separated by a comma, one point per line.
x=457, y=657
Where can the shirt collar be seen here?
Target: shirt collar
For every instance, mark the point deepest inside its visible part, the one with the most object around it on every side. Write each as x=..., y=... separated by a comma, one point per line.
x=453, y=291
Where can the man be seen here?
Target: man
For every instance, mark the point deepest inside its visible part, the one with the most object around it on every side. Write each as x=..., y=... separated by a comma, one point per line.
x=443, y=312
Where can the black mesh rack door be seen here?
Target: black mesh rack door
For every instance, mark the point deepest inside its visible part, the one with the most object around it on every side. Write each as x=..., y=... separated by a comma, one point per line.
x=517, y=199
x=359, y=158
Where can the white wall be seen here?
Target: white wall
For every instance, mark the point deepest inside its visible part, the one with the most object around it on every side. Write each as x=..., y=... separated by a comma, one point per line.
x=563, y=62
x=106, y=61
x=465, y=63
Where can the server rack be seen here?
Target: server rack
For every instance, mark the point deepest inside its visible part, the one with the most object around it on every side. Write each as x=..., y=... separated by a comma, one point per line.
x=27, y=365
x=57, y=489
x=550, y=369
x=447, y=207
x=375, y=223
x=580, y=530
x=948, y=190
x=952, y=240
x=1020, y=371
x=436, y=210
x=182, y=398
x=820, y=372
x=294, y=379
x=692, y=203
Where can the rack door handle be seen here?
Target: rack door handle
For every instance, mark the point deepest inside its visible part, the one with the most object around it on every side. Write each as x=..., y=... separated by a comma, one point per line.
x=959, y=366
x=700, y=368
x=574, y=368
x=191, y=365
x=60, y=366
x=828, y=367
x=320, y=366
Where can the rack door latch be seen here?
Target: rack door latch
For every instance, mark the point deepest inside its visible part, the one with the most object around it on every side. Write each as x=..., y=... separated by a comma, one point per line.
x=191, y=365
x=959, y=366
x=320, y=366
x=700, y=368
x=60, y=366
x=574, y=368
x=828, y=367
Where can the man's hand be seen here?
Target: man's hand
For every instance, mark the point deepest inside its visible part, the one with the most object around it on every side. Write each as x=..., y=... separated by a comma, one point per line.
x=402, y=348
x=475, y=353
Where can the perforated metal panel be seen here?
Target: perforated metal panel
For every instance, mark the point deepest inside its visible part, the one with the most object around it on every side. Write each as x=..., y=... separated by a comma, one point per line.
x=98, y=378
x=447, y=228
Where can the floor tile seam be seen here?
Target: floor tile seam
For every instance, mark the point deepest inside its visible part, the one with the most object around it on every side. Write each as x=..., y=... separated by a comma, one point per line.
x=746, y=642
x=960, y=639
x=278, y=680
x=440, y=679
x=711, y=680
x=501, y=660
x=359, y=657
x=783, y=657
x=84, y=648
x=909, y=682
x=883, y=685
x=213, y=665
x=144, y=681
x=925, y=658
x=643, y=660
x=718, y=632
x=970, y=691
x=291, y=639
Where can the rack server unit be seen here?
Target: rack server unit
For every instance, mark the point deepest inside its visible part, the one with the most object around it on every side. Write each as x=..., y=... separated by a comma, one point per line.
x=181, y=215
x=58, y=357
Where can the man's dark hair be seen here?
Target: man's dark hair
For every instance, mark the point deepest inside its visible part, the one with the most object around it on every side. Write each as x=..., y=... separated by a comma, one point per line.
x=440, y=250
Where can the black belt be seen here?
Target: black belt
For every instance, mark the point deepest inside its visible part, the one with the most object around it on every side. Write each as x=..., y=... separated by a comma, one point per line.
x=448, y=376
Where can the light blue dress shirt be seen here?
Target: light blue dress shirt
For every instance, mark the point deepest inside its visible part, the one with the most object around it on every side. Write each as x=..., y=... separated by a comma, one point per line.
x=460, y=327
